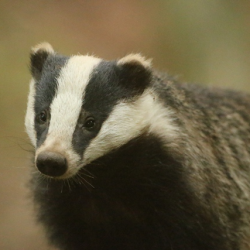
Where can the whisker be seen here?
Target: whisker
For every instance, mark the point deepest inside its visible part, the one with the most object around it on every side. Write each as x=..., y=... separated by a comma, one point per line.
x=19, y=142
x=82, y=178
x=68, y=182
x=85, y=185
x=82, y=181
x=90, y=176
x=86, y=170
x=73, y=182
x=61, y=188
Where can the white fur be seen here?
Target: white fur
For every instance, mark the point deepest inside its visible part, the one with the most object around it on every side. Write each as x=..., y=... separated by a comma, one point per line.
x=65, y=109
x=43, y=47
x=30, y=114
x=129, y=120
x=138, y=58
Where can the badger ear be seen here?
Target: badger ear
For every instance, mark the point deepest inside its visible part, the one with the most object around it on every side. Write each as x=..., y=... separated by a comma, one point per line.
x=135, y=72
x=38, y=56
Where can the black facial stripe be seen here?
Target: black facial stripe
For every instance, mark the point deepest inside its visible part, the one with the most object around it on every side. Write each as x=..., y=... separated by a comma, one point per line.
x=103, y=90
x=101, y=94
x=108, y=84
x=46, y=89
x=95, y=105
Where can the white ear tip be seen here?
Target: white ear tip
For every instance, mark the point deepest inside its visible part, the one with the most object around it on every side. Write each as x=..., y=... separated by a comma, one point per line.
x=42, y=47
x=135, y=58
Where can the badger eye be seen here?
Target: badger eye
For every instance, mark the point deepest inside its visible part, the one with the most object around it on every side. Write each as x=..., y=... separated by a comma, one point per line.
x=43, y=116
x=89, y=123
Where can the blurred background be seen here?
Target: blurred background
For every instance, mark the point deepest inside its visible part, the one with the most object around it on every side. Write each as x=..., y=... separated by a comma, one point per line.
x=206, y=42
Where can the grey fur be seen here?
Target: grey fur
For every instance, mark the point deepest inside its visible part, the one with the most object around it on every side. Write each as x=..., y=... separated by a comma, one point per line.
x=214, y=146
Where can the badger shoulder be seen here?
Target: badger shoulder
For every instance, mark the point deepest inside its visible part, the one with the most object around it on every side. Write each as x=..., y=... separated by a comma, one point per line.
x=215, y=112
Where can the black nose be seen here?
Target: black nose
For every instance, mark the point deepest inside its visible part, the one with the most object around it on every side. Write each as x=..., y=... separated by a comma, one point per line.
x=51, y=163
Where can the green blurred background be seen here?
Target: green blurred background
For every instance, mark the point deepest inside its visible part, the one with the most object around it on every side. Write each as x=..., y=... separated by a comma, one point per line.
x=204, y=41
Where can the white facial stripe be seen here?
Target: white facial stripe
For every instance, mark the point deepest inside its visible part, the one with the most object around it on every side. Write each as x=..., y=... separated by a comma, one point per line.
x=129, y=120
x=66, y=106
x=30, y=114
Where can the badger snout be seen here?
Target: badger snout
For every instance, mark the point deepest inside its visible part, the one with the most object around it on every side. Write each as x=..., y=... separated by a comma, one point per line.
x=51, y=164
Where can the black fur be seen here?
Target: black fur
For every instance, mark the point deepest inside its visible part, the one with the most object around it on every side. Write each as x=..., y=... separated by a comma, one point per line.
x=140, y=200
x=37, y=61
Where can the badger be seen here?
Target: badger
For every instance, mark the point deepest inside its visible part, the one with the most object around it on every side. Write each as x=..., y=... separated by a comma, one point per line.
x=128, y=158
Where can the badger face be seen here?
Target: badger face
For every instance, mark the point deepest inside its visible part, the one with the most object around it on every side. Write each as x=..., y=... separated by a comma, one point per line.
x=81, y=108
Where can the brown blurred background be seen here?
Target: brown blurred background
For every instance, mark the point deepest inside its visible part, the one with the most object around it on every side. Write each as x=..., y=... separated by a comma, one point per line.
x=201, y=41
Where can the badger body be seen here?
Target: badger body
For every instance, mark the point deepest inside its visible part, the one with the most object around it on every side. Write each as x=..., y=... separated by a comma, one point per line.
x=131, y=159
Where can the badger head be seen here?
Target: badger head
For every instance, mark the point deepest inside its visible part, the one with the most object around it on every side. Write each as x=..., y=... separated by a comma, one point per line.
x=82, y=107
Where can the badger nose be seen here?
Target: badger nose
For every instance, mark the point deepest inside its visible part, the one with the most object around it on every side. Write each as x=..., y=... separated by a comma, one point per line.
x=51, y=164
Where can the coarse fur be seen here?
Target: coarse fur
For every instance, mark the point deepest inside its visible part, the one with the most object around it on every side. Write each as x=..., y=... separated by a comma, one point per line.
x=166, y=165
